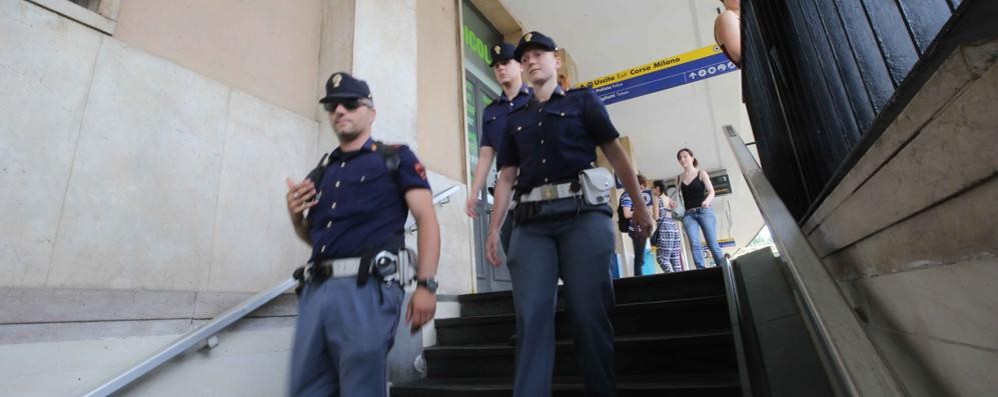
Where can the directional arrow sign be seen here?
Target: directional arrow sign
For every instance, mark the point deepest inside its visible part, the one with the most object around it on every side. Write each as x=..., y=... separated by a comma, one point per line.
x=661, y=75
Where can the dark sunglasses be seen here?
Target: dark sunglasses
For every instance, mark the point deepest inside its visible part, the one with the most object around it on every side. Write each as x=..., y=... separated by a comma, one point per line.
x=348, y=104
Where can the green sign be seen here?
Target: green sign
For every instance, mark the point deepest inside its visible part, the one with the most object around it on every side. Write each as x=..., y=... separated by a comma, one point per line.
x=476, y=45
x=479, y=37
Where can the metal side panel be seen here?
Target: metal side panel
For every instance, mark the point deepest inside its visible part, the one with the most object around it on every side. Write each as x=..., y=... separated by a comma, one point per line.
x=853, y=362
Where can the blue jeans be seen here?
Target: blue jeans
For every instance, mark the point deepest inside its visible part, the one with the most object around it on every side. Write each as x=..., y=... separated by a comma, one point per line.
x=694, y=221
x=639, y=252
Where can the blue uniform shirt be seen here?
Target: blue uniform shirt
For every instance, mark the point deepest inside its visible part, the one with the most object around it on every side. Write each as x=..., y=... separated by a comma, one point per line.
x=494, y=117
x=553, y=141
x=361, y=205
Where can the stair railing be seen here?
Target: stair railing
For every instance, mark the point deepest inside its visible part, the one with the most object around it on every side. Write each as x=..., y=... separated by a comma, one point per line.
x=205, y=335
x=736, y=314
x=851, y=361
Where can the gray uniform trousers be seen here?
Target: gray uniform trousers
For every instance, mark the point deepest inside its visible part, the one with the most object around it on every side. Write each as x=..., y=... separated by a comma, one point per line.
x=342, y=337
x=577, y=247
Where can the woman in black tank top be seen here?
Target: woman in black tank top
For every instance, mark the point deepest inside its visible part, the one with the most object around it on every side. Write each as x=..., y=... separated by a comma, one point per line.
x=698, y=194
x=695, y=192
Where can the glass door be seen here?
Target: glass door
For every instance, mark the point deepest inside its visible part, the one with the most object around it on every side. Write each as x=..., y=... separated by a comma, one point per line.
x=478, y=95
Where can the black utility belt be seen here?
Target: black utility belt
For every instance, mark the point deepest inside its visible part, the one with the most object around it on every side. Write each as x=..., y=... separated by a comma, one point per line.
x=555, y=210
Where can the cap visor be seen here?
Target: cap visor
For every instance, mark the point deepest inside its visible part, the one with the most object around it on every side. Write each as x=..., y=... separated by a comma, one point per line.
x=342, y=95
x=518, y=55
x=497, y=60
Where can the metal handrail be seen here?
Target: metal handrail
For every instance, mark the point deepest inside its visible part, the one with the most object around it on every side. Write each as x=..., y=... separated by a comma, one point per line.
x=852, y=362
x=207, y=331
x=438, y=199
x=735, y=313
x=191, y=339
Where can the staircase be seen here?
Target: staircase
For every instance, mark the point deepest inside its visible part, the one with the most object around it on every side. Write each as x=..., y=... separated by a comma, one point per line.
x=673, y=337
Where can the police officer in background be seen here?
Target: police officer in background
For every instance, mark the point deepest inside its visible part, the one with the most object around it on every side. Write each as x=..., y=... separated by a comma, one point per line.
x=514, y=96
x=557, y=232
x=351, y=292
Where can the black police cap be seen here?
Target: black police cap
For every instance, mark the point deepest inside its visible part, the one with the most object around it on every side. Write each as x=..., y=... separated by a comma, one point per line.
x=502, y=52
x=343, y=85
x=534, y=40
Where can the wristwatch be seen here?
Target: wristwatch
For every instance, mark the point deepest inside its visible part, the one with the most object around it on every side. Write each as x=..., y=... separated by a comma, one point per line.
x=430, y=284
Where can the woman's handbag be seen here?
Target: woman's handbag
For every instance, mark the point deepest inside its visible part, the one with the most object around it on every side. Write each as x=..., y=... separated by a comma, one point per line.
x=677, y=197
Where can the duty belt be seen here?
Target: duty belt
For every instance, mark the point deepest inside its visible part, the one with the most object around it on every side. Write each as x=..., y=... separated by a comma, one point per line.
x=387, y=266
x=551, y=191
x=332, y=268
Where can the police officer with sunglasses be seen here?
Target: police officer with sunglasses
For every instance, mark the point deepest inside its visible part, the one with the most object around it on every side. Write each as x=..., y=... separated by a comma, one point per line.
x=351, y=210
x=558, y=232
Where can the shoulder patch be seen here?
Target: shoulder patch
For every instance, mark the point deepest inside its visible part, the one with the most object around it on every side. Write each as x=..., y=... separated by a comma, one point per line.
x=420, y=170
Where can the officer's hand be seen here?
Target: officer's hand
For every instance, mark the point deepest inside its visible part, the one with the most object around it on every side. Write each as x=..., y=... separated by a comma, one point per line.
x=421, y=308
x=300, y=196
x=644, y=220
x=469, y=207
x=492, y=249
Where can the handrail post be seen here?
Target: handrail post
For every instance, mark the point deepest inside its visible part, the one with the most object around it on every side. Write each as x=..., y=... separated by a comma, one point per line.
x=848, y=354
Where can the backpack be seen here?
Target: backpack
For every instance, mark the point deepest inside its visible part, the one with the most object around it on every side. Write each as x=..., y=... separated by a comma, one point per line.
x=388, y=152
x=623, y=224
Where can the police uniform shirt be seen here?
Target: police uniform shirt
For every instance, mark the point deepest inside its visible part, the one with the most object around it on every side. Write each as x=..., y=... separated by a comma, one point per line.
x=495, y=115
x=361, y=204
x=553, y=141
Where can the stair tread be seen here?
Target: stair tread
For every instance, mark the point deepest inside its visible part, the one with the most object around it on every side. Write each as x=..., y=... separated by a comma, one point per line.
x=617, y=283
x=619, y=341
x=658, y=382
x=618, y=309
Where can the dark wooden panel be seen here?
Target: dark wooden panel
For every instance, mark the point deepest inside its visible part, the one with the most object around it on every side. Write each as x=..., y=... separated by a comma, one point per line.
x=817, y=76
x=846, y=64
x=778, y=156
x=925, y=18
x=835, y=117
x=872, y=68
x=895, y=41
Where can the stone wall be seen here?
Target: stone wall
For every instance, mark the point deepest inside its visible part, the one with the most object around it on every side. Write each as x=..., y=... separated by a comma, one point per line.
x=910, y=236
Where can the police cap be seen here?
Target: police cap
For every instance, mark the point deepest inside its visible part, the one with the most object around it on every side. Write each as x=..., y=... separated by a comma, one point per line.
x=343, y=85
x=534, y=40
x=503, y=51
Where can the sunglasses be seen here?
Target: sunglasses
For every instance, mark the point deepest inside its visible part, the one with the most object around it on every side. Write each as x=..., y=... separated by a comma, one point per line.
x=348, y=104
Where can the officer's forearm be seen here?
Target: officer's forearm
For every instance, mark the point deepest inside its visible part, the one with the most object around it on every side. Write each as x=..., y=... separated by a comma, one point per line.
x=485, y=155
x=428, y=242
x=300, y=224
x=420, y=202
x=504, y=189
x=622, y=165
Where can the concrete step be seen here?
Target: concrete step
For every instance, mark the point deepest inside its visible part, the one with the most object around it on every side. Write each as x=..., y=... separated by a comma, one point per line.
x=660, y=354
x=677, y=315
x=688, y=284
x=716, y=384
